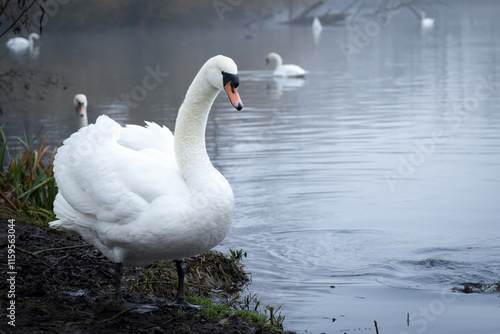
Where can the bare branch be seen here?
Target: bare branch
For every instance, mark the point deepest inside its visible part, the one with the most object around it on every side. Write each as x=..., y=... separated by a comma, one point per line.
x=20, y=16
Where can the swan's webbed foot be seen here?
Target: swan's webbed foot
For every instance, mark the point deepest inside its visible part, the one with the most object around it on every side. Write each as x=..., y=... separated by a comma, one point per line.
x=120, y=303
x=183, y=304
x=140, y=308
x=132, y=307
x=180, y=301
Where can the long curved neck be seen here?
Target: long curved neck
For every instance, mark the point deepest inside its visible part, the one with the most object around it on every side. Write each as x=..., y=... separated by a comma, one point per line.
x=278, y=60
x=82, y=121
x=31, y=41
x=189, y=135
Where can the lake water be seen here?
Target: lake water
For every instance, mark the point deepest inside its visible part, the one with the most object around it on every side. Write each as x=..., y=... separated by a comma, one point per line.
x=368, y=191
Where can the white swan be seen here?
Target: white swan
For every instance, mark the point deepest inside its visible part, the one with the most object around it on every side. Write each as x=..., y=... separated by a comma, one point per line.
x=140, y=194
x=21, y=44
x=316, y=30
x=316, y=25
x=286, y=70
x=80, y=102
x=427, y=22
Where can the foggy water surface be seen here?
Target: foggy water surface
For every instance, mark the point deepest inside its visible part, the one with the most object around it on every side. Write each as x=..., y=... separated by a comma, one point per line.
x=362, y=192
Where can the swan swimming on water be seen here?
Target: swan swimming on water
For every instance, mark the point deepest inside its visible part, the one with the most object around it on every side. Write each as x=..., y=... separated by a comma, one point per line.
x=316, y=25
x=427, y=22
x=21, y=44
x=286, y=70
x=80, y=102
x=316, y=29
x=140, y=194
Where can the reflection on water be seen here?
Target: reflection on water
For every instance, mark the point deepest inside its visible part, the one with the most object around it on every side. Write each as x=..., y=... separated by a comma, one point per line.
x=363, y=191
x=278, y=85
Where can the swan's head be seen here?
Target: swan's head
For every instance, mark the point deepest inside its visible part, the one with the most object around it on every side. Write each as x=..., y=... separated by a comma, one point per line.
x=222, y=73
x=80, y=102
x=273, y=56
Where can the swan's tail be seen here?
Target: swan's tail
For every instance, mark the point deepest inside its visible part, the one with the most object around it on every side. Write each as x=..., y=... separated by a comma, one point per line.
x=66, y=214
x=57, y=225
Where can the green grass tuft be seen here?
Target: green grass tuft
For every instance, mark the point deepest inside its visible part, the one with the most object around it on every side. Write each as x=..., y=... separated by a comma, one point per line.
x=211, y=310
x=27, y=184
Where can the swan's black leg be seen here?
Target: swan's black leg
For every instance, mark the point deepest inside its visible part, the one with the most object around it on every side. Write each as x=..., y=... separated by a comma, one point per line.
x=118, y=282
x=180, y=298
x=181, y=271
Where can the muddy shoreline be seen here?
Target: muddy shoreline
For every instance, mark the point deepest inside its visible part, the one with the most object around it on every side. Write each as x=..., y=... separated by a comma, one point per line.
x=69, y=291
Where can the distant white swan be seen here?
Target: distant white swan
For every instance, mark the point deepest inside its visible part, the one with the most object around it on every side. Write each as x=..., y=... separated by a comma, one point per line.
x=316, y=30
x=427, y=22
x=316, y=25
x=140, y=194
x=286, y=70
x=80, y=102
x=21, y=44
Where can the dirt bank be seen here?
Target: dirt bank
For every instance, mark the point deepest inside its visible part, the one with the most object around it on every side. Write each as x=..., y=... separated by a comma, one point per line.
x=67, y=290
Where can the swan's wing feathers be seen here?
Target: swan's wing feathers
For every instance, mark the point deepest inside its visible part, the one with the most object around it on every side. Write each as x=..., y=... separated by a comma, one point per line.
x=152, y=136
x=76, y=161
x=105, y=181
x=85, y=169
x=292, y=70
x=17, y=43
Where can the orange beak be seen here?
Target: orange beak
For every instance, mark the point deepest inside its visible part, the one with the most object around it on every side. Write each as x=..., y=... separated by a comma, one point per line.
x=80, y=110
x=233, y=95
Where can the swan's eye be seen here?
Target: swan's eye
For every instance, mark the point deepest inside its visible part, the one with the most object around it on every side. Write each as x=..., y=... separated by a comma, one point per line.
x=228, y=77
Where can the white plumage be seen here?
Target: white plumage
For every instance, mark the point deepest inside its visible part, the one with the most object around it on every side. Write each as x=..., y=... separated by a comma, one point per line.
x=287, y=70
x=140, y=194
x=427, y=22
x=316, y=25
x=21, y=44
x=125, y=194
